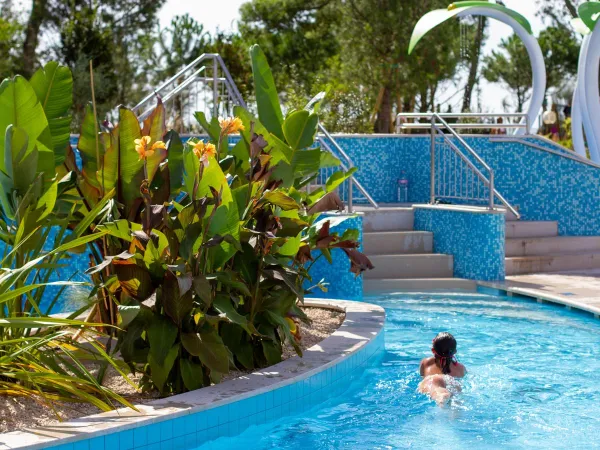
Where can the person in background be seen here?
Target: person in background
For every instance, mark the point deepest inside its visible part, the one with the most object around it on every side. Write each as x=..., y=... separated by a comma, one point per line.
x=497, y=130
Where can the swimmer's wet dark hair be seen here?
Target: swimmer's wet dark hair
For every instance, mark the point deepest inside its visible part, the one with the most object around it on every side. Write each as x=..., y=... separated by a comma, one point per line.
x=444, y=349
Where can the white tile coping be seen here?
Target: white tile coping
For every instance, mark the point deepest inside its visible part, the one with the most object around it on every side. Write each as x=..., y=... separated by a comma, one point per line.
x=542, y=296
x=363, y=324
x=461, y=208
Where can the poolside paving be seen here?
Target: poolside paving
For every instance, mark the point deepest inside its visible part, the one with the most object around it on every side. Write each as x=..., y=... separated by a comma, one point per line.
x=579, y=288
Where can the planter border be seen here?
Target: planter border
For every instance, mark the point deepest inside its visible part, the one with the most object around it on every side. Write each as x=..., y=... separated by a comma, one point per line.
x=188, y=420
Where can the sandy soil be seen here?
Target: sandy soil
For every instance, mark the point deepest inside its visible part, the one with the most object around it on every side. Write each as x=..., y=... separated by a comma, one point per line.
x=19, y=413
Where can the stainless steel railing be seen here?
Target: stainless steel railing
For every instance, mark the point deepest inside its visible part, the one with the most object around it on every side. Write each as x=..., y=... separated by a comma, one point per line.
x=459, y=176
x=203, y=85
x=410, y=121
x=209, y=75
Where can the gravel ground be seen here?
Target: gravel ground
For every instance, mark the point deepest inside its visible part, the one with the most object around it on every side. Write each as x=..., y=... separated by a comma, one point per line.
x=19, y=413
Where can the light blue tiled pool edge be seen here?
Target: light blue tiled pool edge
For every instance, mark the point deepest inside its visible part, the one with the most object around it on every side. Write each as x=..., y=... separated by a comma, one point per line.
x=191, y=427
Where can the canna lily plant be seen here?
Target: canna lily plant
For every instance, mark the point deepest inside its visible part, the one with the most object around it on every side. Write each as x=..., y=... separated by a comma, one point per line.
x=212, y=280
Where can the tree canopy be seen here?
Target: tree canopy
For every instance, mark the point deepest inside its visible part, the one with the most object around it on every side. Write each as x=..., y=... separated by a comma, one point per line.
x=356, y=50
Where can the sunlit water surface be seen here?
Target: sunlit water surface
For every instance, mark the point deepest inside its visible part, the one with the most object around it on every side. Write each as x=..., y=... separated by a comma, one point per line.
x=531, y=383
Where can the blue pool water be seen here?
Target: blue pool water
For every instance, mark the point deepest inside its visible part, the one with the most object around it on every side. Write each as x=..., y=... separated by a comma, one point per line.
x=531, y=383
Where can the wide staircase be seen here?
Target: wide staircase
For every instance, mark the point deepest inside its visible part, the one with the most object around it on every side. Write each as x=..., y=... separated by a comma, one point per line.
x=404, y=258
x=535, y=247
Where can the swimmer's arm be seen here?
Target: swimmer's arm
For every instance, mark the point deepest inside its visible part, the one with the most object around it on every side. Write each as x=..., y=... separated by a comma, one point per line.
x=422, y=368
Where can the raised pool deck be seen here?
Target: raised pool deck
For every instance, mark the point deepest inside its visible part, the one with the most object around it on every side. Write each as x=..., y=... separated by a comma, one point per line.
x=579, y=288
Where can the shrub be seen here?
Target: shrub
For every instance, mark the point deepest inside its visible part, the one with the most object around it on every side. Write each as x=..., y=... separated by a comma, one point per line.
x=213, y=280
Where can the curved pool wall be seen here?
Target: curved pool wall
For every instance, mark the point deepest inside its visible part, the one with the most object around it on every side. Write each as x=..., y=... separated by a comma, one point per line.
x=341, y=283
x=550, y=183
x=189, y=420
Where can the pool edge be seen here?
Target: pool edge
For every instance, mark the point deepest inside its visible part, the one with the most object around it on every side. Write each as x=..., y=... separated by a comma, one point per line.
x=182, y=421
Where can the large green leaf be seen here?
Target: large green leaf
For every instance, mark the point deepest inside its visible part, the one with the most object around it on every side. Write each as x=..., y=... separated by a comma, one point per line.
x=175, y=157
x=191, y=373
x=223, y=304
x=53, y=85
x=300, y=129
x=135, y=280
x=191, y=165
x=131, y=169
x=212, y=128
x=278, y=149
x=87, y=149
x=338, y=178
x=156, y=128
x=162, y=334
x=589, y=13
x=209, y=347
x=20, y=107
x=267, y=100
x=226, y=218
x=162, y=367
x=434, y=18
x=176, y=305
x=279, y=198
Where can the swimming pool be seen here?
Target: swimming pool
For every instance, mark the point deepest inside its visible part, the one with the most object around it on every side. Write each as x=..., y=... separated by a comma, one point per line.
x=531, y=383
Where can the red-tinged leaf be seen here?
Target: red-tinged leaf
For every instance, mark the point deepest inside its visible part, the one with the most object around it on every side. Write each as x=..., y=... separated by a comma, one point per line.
x=329, y=202
x=134, y=280
x=358, y=261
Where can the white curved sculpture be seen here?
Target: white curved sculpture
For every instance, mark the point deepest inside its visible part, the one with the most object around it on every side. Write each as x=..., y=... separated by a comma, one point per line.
x=516, y=21
x=585, y=121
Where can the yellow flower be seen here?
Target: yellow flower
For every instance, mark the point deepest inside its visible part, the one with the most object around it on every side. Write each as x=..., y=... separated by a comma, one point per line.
x=141, y=146
x=158, y=145
x=210, y=151
x=204, y=151
x=231, y=125
x=198, y=148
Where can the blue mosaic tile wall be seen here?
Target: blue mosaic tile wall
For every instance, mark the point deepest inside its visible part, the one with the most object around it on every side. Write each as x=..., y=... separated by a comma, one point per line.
x=58, y=299
x=194, y=429
x=343, y=284
x=475, y=240
x=543, y=185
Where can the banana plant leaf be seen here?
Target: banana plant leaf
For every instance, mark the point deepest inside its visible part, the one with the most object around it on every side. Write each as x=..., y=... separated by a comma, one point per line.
x=267, y=99
x=53, y=85
x=19, y=106
x=87, y=150
x=434, y=18
x=589, y=13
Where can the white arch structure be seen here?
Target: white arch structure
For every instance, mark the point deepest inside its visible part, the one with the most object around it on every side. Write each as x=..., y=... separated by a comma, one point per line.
x=586, y=98
x=504, y=15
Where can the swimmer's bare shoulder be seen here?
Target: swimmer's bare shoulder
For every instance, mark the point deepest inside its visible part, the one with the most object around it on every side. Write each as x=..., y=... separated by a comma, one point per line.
x=427, y=364
x=428, y=367
x=458, y=370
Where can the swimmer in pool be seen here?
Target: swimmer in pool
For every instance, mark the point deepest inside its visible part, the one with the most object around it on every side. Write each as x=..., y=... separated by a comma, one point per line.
x=440, y=371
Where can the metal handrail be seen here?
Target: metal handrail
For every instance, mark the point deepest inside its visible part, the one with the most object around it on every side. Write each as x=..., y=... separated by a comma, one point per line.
x=174, y=78
x=491, y=126
x=488, y=181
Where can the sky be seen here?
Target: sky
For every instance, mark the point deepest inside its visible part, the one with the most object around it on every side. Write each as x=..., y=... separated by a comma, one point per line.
x=222, y=14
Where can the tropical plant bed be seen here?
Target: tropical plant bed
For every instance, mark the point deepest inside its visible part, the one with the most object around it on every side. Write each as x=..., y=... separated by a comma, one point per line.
x=20, y=413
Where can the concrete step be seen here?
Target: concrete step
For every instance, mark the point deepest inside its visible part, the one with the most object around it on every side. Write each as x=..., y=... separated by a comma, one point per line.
x=518, y=265
x=551, y=245
x=387, y=218
x=526, y=229
x=420, y=285
x=428, y=265
x=397, y=242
